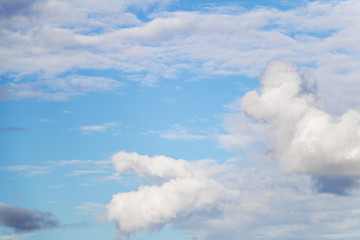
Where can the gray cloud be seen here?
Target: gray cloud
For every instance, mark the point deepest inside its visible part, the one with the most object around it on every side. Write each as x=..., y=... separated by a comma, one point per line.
x=23, y=220
x=10, y=8
x=12, y=129
x=338, y=185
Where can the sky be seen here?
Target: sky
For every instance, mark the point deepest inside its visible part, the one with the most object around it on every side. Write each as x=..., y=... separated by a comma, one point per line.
x=183, y=120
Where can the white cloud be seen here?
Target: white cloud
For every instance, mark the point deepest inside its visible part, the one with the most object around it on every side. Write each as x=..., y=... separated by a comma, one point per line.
x=66, y=112
x=109, y=126
x=242, y=133
x=59, y=186
x=62, y=89
x=214, y=41
x=16, y=236
x=208, y=201
x=84, y=172
x=184, y=189
x=157, y=167
x=89, y=206
x=305, y=138
x=179, y=132
x=28, y=170
x=45, y=120
x=152, y=207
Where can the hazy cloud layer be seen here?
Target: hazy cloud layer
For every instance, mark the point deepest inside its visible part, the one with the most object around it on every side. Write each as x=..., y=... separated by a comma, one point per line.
x=22, y=219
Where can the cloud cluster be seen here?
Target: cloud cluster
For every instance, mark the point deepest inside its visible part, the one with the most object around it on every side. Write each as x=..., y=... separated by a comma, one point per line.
x=222, y=201
x=22, y=219
x=214, y=41
x=305, y=138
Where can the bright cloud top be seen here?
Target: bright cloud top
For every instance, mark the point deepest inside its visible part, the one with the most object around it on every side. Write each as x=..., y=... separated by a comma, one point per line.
x=306, y=139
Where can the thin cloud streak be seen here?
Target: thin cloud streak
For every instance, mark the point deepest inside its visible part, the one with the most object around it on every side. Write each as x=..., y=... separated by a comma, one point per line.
x=12, y=129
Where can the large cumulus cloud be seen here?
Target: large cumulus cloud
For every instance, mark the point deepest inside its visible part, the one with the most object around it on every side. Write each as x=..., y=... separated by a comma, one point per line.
x=305, y=138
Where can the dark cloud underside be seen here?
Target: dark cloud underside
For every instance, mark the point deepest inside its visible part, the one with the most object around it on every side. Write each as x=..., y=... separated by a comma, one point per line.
x=334, y=184
x=23, y=220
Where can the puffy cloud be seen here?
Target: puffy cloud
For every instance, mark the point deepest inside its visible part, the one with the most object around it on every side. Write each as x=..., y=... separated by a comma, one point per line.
x=22, y=219
x=183, y=190
x=222, y=201
x=153, y=168
x=305, y=138
x=152, y=207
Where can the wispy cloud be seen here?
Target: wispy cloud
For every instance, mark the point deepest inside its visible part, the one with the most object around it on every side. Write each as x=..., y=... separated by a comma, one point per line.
x=45, y=120
x=109, y=126
x=99, y=163
x=59, y=186
x=66, y=112
x=77, y=167
x=29, y=170
x=62, y=89
x=179, y=132
x=12, y=129
x=84, y=172
x=16, y=236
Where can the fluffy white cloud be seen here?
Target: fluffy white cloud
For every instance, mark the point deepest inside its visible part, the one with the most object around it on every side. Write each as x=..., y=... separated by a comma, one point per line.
x=151, y=207
x=154, y=168
x=213, y=201
x=184, y=190
x=305, y=138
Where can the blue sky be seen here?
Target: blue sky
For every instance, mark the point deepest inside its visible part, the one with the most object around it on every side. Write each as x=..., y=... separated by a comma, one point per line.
x=183, y=120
